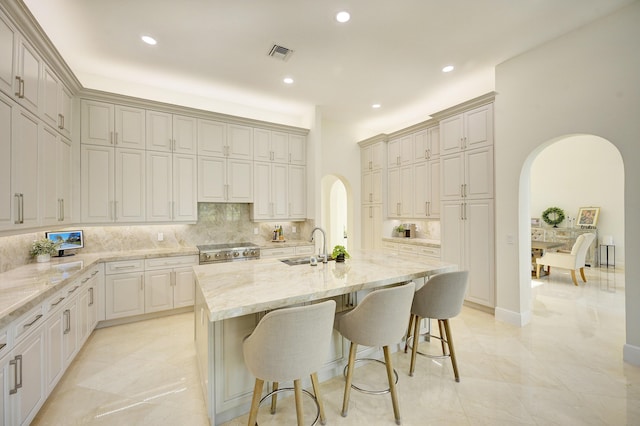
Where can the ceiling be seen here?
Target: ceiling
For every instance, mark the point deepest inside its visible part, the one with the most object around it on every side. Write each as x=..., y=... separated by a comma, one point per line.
x=213, y=54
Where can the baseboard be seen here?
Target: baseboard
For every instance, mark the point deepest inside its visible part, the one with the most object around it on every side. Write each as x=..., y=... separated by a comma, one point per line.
x=631, y=354
x=519, y=319
x=143, y=317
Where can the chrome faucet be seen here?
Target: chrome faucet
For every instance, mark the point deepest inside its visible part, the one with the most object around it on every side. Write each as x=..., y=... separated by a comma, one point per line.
x=324, y=243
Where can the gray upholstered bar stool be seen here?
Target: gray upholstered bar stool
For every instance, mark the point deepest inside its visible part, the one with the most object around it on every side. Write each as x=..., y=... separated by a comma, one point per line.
x=379, y=320
x=440, y=298
x=289, y=344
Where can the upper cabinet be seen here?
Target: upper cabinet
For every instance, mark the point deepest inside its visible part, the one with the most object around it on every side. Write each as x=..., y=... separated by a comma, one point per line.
x=468, y=130
x=400, y=151
x=27, y=78
x=171, y=133
x=219, y=139
x=112, y=125
x=372, y=156
x=278, y=147
x=56, y=103
x=426, y=144
x=8, y=40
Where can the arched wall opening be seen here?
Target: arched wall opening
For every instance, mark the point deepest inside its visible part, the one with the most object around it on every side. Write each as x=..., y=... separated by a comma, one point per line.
x=337, y=217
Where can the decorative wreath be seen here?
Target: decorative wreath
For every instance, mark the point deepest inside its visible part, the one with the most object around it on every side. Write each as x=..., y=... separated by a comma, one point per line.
x=553, y=216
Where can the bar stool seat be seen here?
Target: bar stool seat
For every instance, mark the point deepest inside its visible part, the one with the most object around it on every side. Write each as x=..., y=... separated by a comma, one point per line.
x=289, y=344
x=440, y=298
x=379, y=320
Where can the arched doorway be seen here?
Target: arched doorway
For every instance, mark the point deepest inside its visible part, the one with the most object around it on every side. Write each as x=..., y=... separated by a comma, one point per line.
x=337, y=210
x=573, y=171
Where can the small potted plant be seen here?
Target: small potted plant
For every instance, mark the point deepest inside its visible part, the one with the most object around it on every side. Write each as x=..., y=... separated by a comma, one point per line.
x=340, y=253
x=42, y=249
x=399, y=230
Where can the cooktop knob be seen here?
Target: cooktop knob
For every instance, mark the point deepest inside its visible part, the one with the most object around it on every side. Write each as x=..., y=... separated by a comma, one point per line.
x=236, y=253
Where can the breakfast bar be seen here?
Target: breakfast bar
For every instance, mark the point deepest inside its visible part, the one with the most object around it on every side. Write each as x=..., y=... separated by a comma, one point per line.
x=232, y=297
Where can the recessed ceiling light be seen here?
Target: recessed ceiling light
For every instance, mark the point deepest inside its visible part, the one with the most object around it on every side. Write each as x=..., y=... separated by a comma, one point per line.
x=288, y=80
x=343, y=17
x=448, y=68
x=375, y=106
x=149, y=40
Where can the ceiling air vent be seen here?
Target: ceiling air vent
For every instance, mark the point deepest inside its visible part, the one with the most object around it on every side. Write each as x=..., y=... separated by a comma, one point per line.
x=280, y=52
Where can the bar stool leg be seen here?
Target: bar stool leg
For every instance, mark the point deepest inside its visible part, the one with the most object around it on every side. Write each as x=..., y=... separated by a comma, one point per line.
x=316, y=392
x=442, y=336
x=297, y=387
x=274, y=397
x=406, y=342
x=452, y=351
x=255, y=402
x=392, y=384
x=347, y=387
x=414, y=350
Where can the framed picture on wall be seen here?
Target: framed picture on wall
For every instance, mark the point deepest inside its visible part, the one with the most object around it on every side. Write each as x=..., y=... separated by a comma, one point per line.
x=588, y=216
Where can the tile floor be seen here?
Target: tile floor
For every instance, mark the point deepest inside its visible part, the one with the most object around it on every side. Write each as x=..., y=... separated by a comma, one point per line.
x=564, y=368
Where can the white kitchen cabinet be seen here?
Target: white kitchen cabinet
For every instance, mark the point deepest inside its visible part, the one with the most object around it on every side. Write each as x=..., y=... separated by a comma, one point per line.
x=55, y=178
x=171, y=133
x=297, y=149
x=168, y=289
x=426, y=144
x=53, y=330
x=70, y=327
x=214, y=140
x=400, y=192
x=270, y=185
x=4, y=387
x=372, y=186
x=467, y=130
x=427, y=189
x=372, y=156
x=25, y=170
x=283, y=252
x=467, y=174
x=467, y=230
x=225, y=180
x=297, y=192
x=27, y=366
x=270, y=146
x=56, y=103
x=6, y=136
x=8, y=40
x=27, y=77
x=400, y=151
x=171, y=187
x=124, y=289
x=112, y=125
x=372, y=226
x=113, y=184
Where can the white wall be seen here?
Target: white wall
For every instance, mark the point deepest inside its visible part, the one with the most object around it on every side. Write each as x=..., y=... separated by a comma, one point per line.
x=581, y=171
x=585, y=82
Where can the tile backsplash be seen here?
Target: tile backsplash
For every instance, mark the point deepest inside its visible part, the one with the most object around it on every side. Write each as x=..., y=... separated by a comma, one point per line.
x=217, y=223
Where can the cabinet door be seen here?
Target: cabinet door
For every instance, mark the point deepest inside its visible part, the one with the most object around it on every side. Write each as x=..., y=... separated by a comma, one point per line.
x=479, y=127
x=8, y=37
x=82, y=320
x=6, y=132
x=54, y=328
x=239, y=178
x=371, y=226
x=50, y=93
x=422, y=188
x=159, y=131
x=30, y=397
x=96, y=123
x=451, y=134
x=124, y=295
x=93, y=294
x=130, y=185
x=49, y=200
x=479, y=251
x=297, y=192
x=433, y=209
x=240, y=142
x=434, y=142
x=421, y=147
x=452, y=232
x=297, y=149
x=393, y=192
x=393, y=153
x=479, y=173
x=261, y=145
x=70, y=331
x=29, y=64
x=5, y=414
x=97, y=168
x=159, y=186
x=65, y=110
x=212, y=138
x=407, y=193
x=158, y=292
x=185, y=181
x=183, y=287
x=184, y=135
x=25, y=170
x=452, y=167
x=279, y=190
x=211, y=179
x=64, y=180
x=130, y=130
x=262, y=206
x=372, y=186
x=280, y=148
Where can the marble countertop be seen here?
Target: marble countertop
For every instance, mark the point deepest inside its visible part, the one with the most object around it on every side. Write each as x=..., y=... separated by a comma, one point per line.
x=414, y=241
x=241, y=288
x=288, y=243
x=23, y=288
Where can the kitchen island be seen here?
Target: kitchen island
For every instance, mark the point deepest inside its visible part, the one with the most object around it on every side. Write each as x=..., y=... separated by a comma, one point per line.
x=231, y=298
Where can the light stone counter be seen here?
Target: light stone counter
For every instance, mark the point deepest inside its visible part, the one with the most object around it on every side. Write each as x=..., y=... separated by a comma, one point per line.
x=287, y=243
x=23, y=288
x=413, y=241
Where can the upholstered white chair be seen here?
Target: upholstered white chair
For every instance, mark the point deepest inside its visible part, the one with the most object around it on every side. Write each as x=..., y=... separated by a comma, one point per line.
x=573, y=261
x=289, y=344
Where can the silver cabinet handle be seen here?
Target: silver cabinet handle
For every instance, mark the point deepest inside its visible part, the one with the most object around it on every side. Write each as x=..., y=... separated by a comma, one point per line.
x=33, y=322
x=426, y=208
x=74, y=289
x=56, y=303
x=370, y=164
x=17, y=198
x=462, y=190
x=465, y=189
x=116, y=138
x=17, y=383
x=124, y=267
x=461, y=211
x=67, y=319
x=94, y=272
x=18, y=85
x=111, y=138
x=21, y=208
x=85, y=280
x=90, y=296
x=20, y=92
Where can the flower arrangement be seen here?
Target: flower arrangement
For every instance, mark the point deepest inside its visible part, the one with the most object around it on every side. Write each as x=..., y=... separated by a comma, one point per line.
x=43, y=246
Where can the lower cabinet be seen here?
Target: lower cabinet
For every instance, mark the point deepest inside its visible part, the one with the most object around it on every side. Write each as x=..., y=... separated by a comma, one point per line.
x=371, y=226
x=26, y=378
x=124, y=295
x=4, y=386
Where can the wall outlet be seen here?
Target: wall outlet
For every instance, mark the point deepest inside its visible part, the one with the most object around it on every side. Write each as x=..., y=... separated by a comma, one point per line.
x=294, y=229
x=255, y=231
x=160, y=236
x=510, y=238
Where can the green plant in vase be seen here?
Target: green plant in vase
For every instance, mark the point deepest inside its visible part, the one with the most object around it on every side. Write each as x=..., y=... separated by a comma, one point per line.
x=340, y=253
x=43, y=248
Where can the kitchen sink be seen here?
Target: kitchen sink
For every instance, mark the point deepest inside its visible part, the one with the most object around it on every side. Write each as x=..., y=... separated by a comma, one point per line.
x=298, y=261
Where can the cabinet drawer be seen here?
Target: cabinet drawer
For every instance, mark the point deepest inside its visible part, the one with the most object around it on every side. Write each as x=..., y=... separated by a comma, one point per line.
x=124, y=266
x=278, y=252
x=406, y=248
x=170, y=262
x=429, y=251
x=56, y=301
x=28, y=322
x=5, y=347
x=304, y=249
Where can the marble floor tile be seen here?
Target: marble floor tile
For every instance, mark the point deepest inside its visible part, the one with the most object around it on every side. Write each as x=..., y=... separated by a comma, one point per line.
x=565, y=367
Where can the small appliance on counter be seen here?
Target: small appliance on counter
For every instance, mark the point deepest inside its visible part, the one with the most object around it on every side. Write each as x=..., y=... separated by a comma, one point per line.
x=409, y=230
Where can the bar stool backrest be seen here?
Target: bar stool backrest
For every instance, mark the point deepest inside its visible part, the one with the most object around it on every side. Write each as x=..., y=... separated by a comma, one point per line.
x=442, y=295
